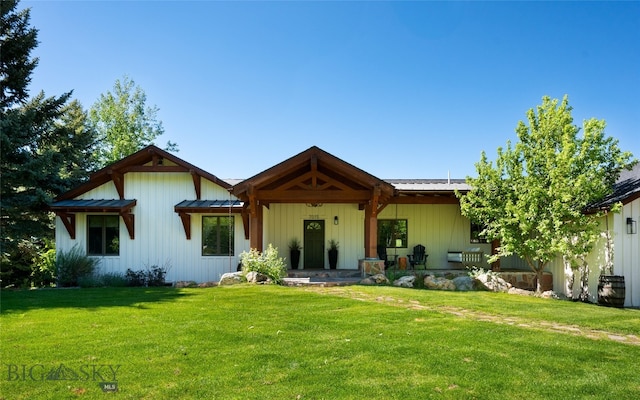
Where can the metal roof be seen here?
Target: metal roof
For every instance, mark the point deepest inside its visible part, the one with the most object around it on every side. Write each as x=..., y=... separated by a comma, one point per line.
x=625, y=190
x=93, y=205
x=209, y=204
x=429, y=185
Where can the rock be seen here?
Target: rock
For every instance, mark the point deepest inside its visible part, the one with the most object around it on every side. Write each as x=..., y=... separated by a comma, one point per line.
x=186, y=284
x=405, y=281
x=438, y=283
x=550, y=294
x=378, y=279
x=231, y=278
x=514, y=290
x=492, y=282
x=256, y=277
x=463, y=283
x=207, y=284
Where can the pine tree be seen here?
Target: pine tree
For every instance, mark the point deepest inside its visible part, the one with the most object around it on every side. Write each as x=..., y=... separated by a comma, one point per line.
x=46, y=148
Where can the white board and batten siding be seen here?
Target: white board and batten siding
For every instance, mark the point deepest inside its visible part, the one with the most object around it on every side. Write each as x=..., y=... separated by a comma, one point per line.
x=282, y=222
x=626, y=259
x=441, y=228
x=160, y=238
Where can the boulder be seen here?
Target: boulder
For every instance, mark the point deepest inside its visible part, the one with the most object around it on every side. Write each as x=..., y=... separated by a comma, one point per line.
x=405, y=281
x=186, y=284
x=463, y=283
x=231, y=278
x=256, y=277
x=492, y=282
x=380, y=279
x=367, y=281
x=377, y=279
x=438, y=283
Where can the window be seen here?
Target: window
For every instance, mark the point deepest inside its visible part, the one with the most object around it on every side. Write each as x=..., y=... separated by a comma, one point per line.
x=476, y=230
x=217, y=236
x=392, y=232
x=103, y=235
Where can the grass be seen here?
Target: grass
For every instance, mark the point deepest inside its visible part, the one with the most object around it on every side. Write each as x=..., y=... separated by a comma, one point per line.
x=270, y=342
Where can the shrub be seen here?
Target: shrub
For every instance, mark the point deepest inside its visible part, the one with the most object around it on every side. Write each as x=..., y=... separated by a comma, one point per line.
x=153, y=276
x=113, y=279
x=267, y=263
x=110, y=279
x=74, y=265
x=44, y=268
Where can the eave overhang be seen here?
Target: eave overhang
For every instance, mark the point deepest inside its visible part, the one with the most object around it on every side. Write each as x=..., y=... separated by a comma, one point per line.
x=67, y=209
x=313, y=176
x=150, y=159
x=187, y=207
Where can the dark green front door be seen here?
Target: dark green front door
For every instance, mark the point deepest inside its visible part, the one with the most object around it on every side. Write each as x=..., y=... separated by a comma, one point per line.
x=313, y=243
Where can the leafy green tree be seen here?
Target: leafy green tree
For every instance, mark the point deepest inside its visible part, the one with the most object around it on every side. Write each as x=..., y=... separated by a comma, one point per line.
x=45, y=150
x=124, y=123
x=533, y=199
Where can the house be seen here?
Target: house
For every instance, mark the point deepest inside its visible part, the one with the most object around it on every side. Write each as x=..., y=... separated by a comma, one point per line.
x=155, y=209
x=625, y=241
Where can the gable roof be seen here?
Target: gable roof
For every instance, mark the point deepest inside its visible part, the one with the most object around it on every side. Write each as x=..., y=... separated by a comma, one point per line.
x=313, y=176
x=149, y=159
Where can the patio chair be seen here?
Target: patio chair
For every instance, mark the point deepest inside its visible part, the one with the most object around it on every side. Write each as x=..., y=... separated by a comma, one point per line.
x=419, y=257
x=382, y=254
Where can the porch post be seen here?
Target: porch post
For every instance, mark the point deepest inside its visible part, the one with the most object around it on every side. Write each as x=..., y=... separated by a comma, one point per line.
x=370, y=232
x=494, y=249
x=255, y=226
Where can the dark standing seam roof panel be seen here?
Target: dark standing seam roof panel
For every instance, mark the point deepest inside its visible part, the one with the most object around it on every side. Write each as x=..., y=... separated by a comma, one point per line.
x=209, y=204
x=93, y=204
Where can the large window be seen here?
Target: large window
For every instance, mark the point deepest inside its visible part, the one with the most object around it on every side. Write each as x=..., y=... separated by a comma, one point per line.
x=393, y=232
x=103, y=235
x=217, y=236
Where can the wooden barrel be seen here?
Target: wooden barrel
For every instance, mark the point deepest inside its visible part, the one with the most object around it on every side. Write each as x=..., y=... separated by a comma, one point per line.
x=611, y=290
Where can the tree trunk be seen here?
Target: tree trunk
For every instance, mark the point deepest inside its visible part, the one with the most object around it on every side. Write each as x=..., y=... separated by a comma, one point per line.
x=570, y=277
x=539, y=275
x=584, y=282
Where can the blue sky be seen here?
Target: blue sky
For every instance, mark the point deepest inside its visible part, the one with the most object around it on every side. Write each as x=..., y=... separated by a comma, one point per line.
x=398, y=89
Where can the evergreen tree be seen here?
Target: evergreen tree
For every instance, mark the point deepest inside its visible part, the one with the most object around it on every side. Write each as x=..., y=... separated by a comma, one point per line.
x=46, y=148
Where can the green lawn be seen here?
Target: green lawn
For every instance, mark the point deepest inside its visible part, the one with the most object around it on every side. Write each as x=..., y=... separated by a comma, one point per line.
x=271, y=342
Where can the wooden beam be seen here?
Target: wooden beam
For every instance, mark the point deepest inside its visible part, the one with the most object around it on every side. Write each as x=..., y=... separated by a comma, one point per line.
x=494, y=249
x=186, y=223
x=313, y=196
x=370, y=232
x=197, y=184
x=314, y=169
x=118, y=181
x=129, y=220
x=69, y=221
x=245, y=224
x=255, y=228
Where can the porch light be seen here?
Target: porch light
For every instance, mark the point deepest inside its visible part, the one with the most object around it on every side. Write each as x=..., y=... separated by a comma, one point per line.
x=335, y=220
x=631, y=226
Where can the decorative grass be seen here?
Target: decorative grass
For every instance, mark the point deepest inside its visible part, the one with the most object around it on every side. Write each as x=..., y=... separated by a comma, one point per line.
x=270, y=342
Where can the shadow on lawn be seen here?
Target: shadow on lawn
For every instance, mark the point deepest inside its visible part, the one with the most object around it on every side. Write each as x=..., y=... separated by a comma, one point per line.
x=93, y=298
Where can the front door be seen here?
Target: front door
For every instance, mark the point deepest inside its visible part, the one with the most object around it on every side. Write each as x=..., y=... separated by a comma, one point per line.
x=313, y=243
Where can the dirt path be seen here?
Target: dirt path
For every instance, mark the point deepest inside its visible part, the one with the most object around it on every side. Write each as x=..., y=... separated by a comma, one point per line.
x=481, y=316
